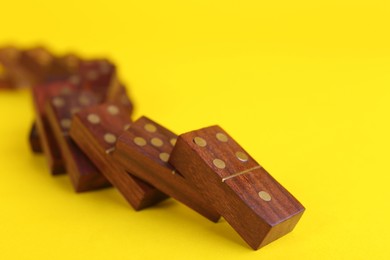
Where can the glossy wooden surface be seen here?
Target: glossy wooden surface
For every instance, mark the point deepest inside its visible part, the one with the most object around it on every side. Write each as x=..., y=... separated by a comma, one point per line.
x=95, y=130
x=82, y=172
x=242, y=191
x=143, y=150
x=69, y=72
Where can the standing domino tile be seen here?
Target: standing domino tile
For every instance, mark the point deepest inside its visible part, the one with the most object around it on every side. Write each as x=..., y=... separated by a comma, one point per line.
x=95, y=130
x=82, y=172
x=144, y=149
x=98, y=76
x=119, y=96
x=95, y=75
x=38, y=61
x=12, y=73
x=241, y=190
x=45, y=69
x=42, y=65
x=41, y=93
x=117, y=93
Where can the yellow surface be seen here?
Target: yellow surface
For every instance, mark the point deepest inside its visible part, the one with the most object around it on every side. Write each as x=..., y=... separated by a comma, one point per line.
x=304, y=86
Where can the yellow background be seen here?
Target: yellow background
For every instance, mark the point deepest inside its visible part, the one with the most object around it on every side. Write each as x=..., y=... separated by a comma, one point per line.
x=304, y=86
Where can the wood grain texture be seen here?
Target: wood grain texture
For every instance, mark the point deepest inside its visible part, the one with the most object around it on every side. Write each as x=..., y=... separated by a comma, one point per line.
x=243, y=192
x=148, y=161
x=97, y=76
x=82, y=172
x=119, y=95
x=95, y=130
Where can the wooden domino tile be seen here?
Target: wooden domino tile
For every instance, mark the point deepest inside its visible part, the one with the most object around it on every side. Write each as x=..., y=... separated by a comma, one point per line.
x=59, y=109
x=61, y=68
x=117, y=93
x=94, y=75
x=83, y=124
x=69, y=63
x=95, y=130
x=114, y=93
x=12, y=73
x=38, y=61
x=8, y=59
x=240, y=189
x=22, y=68
x=45, y=66
x=41, y=93
x=121, y=97
x=144, y=149
x=100, y=77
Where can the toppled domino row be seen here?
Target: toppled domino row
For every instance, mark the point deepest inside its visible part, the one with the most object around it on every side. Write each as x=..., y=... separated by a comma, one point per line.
x=84, y=128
